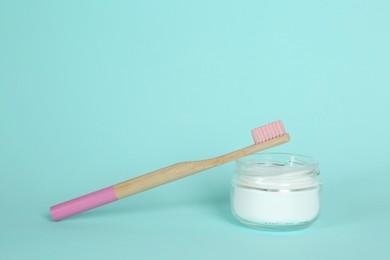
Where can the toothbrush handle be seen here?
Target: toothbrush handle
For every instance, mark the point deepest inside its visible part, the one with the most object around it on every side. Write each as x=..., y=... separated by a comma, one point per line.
x=124, y=189
x=153, y=179
x=183, y=169
x=159, y=177
x=83, y=203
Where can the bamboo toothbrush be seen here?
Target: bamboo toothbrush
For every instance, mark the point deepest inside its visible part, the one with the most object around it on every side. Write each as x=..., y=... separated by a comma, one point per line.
x=265, y=137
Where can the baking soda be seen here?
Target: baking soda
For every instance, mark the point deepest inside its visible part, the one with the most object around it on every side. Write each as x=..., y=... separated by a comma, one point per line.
x=276, y=191
x=276, y=207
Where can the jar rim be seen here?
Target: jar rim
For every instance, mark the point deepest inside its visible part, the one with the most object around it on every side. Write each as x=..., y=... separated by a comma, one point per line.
x=277, y=171
x=306, y=161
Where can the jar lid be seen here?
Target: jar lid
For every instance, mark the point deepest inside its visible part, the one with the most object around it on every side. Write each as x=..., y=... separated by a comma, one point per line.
x=277, y=171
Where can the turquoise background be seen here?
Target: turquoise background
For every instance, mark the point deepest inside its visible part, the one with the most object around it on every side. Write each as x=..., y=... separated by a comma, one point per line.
x=95, y=92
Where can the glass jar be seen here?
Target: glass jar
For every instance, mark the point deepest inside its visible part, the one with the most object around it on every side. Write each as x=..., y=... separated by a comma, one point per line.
x=276, y=191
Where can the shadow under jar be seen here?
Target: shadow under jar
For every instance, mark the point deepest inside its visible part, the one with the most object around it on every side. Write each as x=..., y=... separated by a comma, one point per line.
x=276, y=191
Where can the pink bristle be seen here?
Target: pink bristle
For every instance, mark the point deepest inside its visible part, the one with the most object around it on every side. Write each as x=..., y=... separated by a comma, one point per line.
x=280, y=123
x=255, y=136
x=273, y=133
x=263, y=130
x=268, y=132
x=277, y=131
x=259, y=137
x=261, y=134
x=273, y=129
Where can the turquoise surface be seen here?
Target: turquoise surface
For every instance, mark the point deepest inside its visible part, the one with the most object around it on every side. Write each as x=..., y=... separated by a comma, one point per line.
x=95, y=92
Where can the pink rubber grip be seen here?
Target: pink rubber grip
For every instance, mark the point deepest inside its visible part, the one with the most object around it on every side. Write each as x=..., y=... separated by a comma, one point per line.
x=83, y=203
